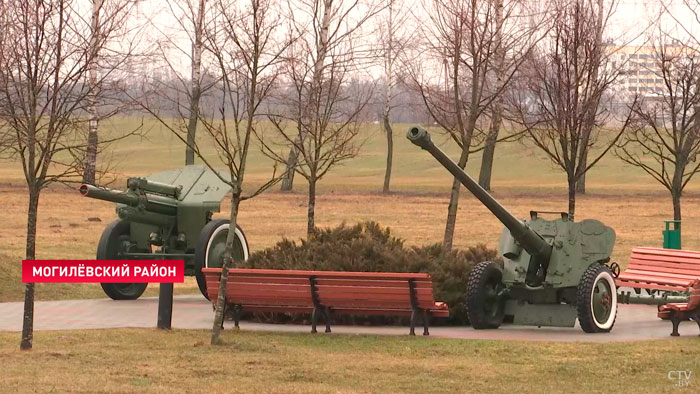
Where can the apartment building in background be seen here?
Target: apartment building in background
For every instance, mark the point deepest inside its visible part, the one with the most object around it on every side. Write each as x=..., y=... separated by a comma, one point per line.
x=641, y=73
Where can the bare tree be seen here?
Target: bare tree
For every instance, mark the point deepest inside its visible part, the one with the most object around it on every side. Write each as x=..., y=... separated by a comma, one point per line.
x=108, y=21
x=392, y=40
x=467, y=36
x=664, y=139
x=560, y=104
x=195, y=80
x=497, y=110
x=46, y=57
x=242, y=43
x=183, y=93
x=601, y=22
x=332, y=25
x=322, y=124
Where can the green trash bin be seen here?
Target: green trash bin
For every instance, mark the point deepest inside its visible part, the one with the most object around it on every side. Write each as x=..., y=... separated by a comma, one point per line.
x=672, y=236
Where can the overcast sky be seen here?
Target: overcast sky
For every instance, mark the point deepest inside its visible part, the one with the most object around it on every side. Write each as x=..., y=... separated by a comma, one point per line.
x=627, y=24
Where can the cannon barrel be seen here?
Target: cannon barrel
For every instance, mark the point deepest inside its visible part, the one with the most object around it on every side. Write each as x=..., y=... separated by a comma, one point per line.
x=526, y=237
x=153, y=186
x=152, y=203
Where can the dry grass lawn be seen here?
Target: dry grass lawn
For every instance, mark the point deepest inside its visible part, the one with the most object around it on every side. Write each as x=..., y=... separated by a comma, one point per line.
x=66, y=233
x=619, y=195
x=151, y=361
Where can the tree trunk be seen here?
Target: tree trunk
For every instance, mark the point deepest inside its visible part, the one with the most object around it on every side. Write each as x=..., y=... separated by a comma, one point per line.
x=454, y=201
x=92, y=139
x=572, y=197
x=226, y=264
x=676, y=205
x=316, y=82
x=490, y=149
x=28, y=319
x=389, y=154
x=593, y=107
x=581, y=183
x=195, y=85
x=388, y=71
x=311, y=223
x=288, y=179
x=492, y=137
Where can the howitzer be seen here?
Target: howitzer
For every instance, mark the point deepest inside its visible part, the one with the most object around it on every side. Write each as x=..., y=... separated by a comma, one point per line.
x=167, y=215
x=554, y=271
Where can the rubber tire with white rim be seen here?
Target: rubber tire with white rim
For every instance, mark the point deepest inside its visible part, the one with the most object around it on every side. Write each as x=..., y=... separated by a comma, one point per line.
x=211, y=232
x=593, y=276
x=109, y=248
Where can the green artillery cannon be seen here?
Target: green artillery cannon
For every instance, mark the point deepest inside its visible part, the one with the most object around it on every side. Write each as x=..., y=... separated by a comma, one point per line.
x=554, y=271
x=167, y=215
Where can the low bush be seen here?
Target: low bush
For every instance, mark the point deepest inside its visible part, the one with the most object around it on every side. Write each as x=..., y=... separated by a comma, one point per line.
x=369, y=247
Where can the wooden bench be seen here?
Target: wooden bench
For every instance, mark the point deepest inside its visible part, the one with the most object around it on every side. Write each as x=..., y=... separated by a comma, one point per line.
x=327, y=293
x=683, y=311
x=656, y=269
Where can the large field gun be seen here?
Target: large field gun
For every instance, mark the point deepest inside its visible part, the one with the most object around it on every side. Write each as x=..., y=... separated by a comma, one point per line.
x=167, y=215
x=554, y=271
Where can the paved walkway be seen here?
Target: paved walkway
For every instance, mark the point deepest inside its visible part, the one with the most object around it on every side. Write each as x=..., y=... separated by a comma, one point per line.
x=634, y=322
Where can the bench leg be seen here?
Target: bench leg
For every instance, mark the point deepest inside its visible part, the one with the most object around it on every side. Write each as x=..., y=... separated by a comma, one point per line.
x=314, y=320
x=426, y=322
x=412, y=330
x=696, y=318
x=327, y=313
x=237, y=316
x=675, y=320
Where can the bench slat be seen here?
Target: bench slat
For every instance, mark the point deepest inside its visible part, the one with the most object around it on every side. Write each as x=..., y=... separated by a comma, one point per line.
x=660, y=266
x=266, y=279
x=655, y=279
x=397, y=312
x=321, y=274
x=277, y=308
x=331, y=301
x=657, y=273
x=667, y=259
x=670, y=269
x=267, y=286
x=369, y=304
x=371, y=290
x=666, y=252
x=376, y=283
x=656, y=263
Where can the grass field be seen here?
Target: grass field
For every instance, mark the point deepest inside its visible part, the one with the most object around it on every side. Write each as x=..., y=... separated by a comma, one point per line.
x=151, y=361
x=619, y=195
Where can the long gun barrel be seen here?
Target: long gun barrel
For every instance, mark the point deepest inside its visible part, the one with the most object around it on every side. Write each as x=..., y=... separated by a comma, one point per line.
x=150, y=202
x=527, y=238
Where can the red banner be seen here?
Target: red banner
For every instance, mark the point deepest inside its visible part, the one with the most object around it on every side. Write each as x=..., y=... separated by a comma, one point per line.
x=103, y=271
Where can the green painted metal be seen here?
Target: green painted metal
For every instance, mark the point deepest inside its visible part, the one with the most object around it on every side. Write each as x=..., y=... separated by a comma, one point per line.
x=546, y=315
x=672, y=236
x=544, y=259
x=167, y=210
x=660, y=298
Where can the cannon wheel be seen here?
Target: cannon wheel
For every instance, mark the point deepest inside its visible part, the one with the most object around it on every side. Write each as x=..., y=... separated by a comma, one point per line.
x=111, y=243
x=596, y=299
x=485, y=308
x=209, y=251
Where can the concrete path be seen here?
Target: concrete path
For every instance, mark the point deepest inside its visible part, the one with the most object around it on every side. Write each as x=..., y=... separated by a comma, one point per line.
x=634, y=322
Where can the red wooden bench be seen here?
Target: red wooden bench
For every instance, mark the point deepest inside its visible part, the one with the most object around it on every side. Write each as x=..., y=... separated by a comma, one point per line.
x=656, y=269
x=327, y=293
x=665, y=271
x=683, y=311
